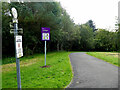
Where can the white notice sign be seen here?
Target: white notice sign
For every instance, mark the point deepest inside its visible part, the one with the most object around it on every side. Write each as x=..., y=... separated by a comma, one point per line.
x=19, y=49
x=45, y=36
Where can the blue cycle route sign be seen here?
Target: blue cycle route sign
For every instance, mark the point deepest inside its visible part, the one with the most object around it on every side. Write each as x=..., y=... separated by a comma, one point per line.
x=45, y=37
x=45, y=34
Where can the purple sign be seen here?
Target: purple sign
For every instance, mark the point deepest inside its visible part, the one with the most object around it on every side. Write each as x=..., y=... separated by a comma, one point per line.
x=45, y=34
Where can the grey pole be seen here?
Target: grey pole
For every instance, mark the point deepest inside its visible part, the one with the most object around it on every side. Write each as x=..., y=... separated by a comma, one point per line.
x=17, y=59
x=45, y=53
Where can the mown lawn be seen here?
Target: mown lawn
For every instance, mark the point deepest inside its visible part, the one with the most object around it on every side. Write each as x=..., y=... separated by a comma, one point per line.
x=110, y=57
x=58, y=75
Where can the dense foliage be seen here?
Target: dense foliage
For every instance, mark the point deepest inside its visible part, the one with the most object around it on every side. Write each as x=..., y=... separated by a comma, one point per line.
x=65, y=34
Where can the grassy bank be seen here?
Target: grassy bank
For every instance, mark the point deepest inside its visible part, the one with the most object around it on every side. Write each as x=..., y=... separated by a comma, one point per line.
x=58, y=75
x=110, y=57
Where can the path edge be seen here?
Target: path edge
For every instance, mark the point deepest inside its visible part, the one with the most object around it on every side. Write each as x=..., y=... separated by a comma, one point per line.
x=72, y=72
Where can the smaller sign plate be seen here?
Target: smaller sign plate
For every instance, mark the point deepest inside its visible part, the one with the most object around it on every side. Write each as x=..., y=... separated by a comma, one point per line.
x=19, y=49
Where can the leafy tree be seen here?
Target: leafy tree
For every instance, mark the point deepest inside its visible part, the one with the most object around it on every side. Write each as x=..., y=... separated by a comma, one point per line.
x=7, y=38
x=33, y=16
x=105, y=40
x=65, y=34
x=87, y=37
x=118, y=38
x=91, y=24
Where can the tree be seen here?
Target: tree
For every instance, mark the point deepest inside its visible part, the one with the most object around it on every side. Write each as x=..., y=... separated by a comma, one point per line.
x=91, y=24
x=32, y=16
x=65, y=34
x=87, y=37
x=118, y=38
x=106, y=40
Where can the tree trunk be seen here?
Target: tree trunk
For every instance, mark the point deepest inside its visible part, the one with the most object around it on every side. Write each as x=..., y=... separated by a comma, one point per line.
x=34, y=48
x=61, y=46
x=48, y=47
x=58, y=46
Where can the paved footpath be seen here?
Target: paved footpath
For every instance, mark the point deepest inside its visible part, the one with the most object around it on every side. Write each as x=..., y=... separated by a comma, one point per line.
x=90, y=72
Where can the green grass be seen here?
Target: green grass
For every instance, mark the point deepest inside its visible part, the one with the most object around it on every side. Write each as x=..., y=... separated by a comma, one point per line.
x=13, y=59
x=59, y=75
x=110, y=57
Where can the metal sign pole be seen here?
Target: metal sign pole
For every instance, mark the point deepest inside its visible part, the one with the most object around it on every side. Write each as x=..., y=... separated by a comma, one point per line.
x=15, y=22
x=45, y=37
x=45, y=53
x=17, y=59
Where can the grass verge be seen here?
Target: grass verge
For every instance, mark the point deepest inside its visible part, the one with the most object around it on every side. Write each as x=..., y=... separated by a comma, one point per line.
x=110, y=57
x=58, y=75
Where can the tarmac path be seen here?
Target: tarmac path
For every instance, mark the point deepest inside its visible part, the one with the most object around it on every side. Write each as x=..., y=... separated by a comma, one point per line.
x=90, y=72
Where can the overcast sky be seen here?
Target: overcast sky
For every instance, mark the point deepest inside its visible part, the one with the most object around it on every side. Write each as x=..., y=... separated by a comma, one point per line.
x=102, y=12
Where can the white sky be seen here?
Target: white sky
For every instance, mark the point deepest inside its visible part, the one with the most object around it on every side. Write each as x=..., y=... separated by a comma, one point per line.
x=102, y=12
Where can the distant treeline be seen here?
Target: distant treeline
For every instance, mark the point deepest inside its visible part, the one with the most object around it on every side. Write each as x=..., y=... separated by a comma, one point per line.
x=65, y=34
